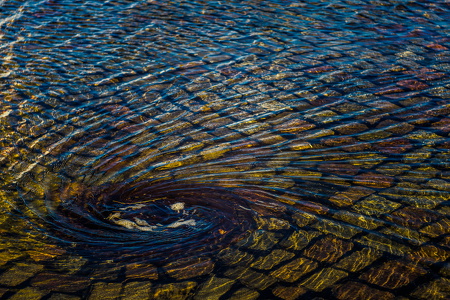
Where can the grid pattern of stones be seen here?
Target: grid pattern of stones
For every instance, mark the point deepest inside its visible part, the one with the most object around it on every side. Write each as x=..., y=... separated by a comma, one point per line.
x=382, y=232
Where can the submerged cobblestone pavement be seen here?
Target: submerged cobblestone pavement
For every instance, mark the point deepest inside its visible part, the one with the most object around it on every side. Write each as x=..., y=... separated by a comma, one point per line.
x=331, y=127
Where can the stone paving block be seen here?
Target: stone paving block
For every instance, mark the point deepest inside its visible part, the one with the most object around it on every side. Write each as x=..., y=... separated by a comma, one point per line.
x=430, y=254
x=216, y=122
x=251, y=278
x=375, y=205
x=28, y=293
x=288, y=293
x=273, y=105
x=439, y=184
x=3, y=291
x=412, y=217
x=324, y=116
x=373, y=180
x=214, y=288
x=442, y=125
x=309, y=209
x=189, y=268
x=19, y=273
x=244, y=294
x=337, y=180
x=414, y=195
x=105, y=291
x=393, y=274
x=336, y=228
x=358, y=220
x=7, y=256
x=269, y=261
x=299, y=239
x=435, y=290
x=270, y=139
x=416, y=156
x=304, y=218
x=232, y=257
x=350, y=196
x=341, y=168
x=328, y=249
x=301, y=173
x=214, y=152
x=136, y=290
x=145, y=271
x=359, y=291
x=393, y=169
x=49, y=253
x=295, y=125
x=272, y=224
x=314, y=134
x=373, y=135
x=385, y=244
x=248, y=128
x=424, y=136
x=411, y=236
x=438, y=228
x=347, y=143
x=400, y=128
x=445, y=270
x=351, y=128
x=108, y=272
x=59, y=282
x=393, y=146
x=70, y=265
x=260, y=240
x=295, y=269
x=358, y=260
x=174, y=291
x=368, y=161
x=60, y=296
x=323, y=279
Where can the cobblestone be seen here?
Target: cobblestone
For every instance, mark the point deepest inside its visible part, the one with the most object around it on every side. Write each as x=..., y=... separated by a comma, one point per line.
x=244, y=294
x=28, y=293
x=19, y=273
x=295, y=269
x=272, y=259
x=214, y=288
x=189, y=268
x=174, y=291
x=323, y=279
x=288, y=293
x=299, y=239
x=136, y=290
x=358, y=291
x=59, y=282
x=328, y=249
x=251, y=278
x=358, y=260
x=437, y=289
x=105, y=291
x=393, y=274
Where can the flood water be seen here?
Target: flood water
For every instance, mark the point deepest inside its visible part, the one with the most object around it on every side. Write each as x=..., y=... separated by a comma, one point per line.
x=225, y=149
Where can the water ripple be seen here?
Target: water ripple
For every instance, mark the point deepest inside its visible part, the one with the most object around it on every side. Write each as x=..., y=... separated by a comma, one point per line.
x=227, y=144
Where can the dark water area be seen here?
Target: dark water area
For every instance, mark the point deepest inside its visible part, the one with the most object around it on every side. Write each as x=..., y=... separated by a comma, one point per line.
x=225, y=149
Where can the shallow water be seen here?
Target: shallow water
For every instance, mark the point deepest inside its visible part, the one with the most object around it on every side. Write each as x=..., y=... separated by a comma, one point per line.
x=225, y=149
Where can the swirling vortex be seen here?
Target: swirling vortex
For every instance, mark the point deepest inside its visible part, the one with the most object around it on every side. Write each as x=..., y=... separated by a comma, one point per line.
x=153, y=221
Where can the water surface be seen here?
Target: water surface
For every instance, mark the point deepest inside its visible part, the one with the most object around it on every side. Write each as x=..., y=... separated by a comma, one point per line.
x=224, y=149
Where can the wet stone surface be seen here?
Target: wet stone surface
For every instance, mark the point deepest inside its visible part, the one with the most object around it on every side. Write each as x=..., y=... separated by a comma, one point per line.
x=224, y=150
